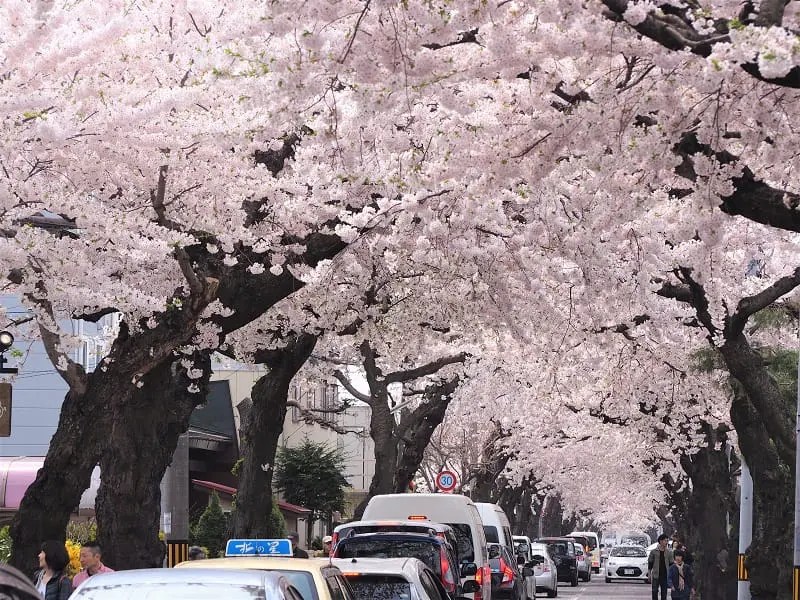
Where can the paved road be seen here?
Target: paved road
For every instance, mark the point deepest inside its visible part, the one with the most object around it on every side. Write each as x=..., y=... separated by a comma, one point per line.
x=598, y=588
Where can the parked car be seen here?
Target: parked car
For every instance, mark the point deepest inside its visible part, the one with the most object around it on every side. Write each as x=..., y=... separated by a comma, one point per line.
x=544, y=575
x=522, y=547
x=507, y=579
x=496, y=526
x=584, y=566
x=185, y=584
x=563, y=553
x=434, y=551
x=627, y=562
x=383, y=526
x=455, y=510
x=593, y=545
x=314, y=578
x=393, y=579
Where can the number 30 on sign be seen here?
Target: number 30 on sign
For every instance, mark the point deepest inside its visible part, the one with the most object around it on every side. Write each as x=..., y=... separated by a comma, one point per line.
x=446, y=481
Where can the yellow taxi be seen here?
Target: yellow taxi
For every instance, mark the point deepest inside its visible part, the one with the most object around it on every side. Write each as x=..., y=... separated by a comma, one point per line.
x=314, y=578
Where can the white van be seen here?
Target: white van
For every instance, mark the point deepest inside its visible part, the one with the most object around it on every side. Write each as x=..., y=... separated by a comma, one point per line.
x=454, y=510
x=496, y=527
x=594, y=547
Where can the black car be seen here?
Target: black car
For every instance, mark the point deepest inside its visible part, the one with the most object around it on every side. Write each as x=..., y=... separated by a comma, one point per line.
x=431, y=549
x=507, y=579
x=563, y=554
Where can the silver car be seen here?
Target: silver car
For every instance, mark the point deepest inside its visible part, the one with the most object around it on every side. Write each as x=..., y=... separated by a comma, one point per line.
x=186, y=584
x=543, y=574
x=584, y=563
x=394, y=579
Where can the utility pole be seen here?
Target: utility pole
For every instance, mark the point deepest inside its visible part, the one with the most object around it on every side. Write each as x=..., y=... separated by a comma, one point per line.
x=745, y=529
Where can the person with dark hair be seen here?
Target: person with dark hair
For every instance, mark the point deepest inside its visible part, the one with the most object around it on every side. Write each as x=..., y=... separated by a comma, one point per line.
x=196, y=553
x=91, y=563
x=681, y=578
x=52, y=582
x=658, y=563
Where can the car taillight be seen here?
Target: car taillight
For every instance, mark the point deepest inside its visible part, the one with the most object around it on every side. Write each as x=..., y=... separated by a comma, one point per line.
x=508, y=574
x=448, y=579
x=334, y=540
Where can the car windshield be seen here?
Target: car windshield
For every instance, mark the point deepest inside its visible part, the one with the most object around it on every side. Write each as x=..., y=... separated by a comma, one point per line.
x=303, y=581
x=560, y=548
x=188, y=590
x=629, y=551
x=380, y=587
x=381, y=547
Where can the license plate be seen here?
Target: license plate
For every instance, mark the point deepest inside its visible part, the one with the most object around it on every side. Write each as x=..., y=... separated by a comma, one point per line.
x=627, y=571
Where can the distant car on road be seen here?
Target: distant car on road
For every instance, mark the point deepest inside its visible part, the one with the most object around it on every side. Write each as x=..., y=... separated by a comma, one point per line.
x=185, y=584
x=584, y=566
x=627, y=562
x=563, y=553
x=507, y=579
x=522, y=546
x=545, y=574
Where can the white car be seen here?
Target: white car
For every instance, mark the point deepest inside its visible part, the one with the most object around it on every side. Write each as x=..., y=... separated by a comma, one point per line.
x=545, y=575
x=627, y=562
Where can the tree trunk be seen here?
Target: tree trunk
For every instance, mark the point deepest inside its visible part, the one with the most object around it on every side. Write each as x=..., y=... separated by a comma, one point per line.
x=552, y=515
x=416, y=429
x=711, y=504
x=773, y=497
x=764, y=426
x=382, y=430
x=138, y=451
x=251, y=515
x=46, y=507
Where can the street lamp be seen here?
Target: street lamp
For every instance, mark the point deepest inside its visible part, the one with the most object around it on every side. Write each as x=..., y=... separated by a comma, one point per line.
x=6, y=341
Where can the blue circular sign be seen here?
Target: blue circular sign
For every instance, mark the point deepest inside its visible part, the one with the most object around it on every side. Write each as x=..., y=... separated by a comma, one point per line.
x=446, y=481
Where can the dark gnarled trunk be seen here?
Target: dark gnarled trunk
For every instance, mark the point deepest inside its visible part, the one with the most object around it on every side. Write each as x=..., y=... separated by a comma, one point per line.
x=764, y=425
x=260, y=436
x=139, y=450
x=711, y=504
x=46, y=507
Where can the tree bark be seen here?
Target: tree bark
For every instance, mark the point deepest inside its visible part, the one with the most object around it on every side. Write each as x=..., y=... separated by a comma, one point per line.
x=138, y=451
x=251, y=514
x=552, y=515
x=711, y=505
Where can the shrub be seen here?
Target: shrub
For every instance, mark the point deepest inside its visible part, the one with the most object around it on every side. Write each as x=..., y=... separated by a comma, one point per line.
x=211, y=529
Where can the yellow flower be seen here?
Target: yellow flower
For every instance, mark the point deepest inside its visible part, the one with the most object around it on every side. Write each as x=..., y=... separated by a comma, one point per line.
x=74, y=552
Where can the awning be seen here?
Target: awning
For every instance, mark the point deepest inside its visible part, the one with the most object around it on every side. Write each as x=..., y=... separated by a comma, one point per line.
x=19, y=472
x=230, y=491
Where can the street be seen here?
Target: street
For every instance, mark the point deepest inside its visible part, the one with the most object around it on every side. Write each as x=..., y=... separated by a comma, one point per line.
x=597, y=588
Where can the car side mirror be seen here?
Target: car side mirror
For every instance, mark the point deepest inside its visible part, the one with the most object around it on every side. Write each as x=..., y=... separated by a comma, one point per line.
x=470, y=587
x=469, y=570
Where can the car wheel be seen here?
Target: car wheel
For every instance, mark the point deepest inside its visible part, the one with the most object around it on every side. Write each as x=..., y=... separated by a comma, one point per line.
x=552, y=593
x=608, y=579
x=589, y=576
x=574, y=582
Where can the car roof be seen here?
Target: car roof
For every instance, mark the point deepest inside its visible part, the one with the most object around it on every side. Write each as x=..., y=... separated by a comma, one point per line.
x=438, y=527
x=379, y=566
x=418, y=535
x=554, y=539
x=265, y=563
x=159, y=576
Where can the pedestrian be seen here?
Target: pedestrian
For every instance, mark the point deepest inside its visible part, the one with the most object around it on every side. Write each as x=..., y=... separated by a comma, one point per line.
x=658, y=563
x=51, y=580
x=15, y=586
x=196, y=553
x=297, y=551
x=326, y=545
x=91, y=562
x=681, y=578
x=687, y=556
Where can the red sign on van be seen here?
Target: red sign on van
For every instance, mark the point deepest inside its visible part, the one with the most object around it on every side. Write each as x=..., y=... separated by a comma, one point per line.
x=446, y=481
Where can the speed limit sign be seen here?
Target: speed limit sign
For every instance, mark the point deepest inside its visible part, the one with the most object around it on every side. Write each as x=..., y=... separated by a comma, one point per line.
x=446, y=481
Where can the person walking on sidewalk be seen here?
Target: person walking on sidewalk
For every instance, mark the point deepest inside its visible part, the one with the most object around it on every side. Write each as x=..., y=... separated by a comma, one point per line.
x=658, y=564
x=91, y=563
x=681, y=578
x=51, y=580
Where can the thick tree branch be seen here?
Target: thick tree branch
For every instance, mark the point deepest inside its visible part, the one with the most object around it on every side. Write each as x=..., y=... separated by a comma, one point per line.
x=311, y=416
x=351, y=389
x=426, y=369
x=672, y=27
x=750, y=305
